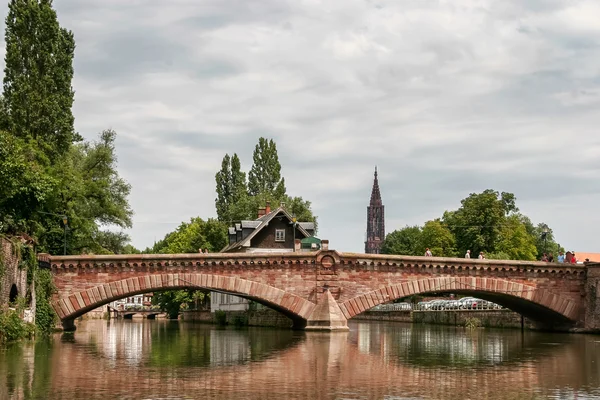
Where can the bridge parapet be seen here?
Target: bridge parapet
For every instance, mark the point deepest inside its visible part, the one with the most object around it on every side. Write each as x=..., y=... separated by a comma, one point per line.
x=458, y=264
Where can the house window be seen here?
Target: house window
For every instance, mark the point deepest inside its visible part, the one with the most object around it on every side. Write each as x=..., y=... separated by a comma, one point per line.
x=280, y=235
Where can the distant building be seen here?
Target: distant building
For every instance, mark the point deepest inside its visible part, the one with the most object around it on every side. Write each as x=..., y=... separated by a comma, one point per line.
x=273, y=231
x=375, y=220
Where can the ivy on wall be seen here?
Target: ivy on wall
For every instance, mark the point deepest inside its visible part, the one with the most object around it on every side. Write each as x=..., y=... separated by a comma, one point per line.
x=39, y=280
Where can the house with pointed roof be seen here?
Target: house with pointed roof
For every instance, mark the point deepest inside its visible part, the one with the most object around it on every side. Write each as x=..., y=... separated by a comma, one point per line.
x=273, y=231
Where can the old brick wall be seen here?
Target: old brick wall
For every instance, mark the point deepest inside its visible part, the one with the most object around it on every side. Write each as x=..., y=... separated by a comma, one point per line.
x=10, y=274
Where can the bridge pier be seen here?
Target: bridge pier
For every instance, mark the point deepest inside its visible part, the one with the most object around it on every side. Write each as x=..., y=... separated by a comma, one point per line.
x=327, y=315
x=68, y=325
x=592, y=297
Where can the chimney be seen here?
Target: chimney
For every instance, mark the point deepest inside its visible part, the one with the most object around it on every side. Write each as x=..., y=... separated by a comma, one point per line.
x=261, y=212
x=268, y=207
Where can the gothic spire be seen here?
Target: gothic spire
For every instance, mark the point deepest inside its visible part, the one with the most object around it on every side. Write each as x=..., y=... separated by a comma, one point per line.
x=375, y=220
x=375, y=193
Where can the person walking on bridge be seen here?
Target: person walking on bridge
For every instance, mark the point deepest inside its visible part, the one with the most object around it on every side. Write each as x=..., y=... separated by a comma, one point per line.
x=468, y=254
x=428, y=253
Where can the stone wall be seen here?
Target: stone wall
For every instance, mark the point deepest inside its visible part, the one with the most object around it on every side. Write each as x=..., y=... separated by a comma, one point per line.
x=263, y=317
x=488, y=318
x=395, y=316
x=10, y=274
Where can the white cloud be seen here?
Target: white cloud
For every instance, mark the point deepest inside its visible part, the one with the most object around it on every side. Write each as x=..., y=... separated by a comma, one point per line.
x=446, y=97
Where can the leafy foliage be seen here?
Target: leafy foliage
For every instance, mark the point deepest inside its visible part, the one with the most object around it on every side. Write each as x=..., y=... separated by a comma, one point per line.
x=231, y=188
x=193, y=236
x=265, y=174
x=37, y=76
x=237, y=200
x=405, y=241
x=487, y=222
x=12, y=327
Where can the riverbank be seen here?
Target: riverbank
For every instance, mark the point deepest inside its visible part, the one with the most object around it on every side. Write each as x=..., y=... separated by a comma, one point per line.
x=487, y=318
x=271, y=318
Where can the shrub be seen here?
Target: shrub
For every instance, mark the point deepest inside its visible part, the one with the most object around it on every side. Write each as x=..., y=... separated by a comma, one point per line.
x=221, y=317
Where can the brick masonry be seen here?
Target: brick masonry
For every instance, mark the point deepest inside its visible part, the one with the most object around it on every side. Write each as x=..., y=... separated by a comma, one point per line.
x=289, y=282
x=10, y=274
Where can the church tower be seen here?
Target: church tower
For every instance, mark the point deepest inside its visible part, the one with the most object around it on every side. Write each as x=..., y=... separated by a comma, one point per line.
x=375, y=220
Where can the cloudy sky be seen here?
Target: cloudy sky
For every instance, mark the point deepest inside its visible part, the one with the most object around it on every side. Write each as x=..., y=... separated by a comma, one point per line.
x=445, y=97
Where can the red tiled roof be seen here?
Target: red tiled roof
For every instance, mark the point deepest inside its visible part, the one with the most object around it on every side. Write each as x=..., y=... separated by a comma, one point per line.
x=592, y=256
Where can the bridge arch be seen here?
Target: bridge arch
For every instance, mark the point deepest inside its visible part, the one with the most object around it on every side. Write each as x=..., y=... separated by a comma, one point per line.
x=525, y=299
x=79, y=303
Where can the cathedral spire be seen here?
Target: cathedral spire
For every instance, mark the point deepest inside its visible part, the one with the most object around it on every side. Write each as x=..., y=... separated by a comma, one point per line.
x=375, y=193
x=375, y=220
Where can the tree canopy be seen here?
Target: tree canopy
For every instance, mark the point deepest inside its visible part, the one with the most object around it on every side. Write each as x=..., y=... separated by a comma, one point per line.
x=239, y=200
x=47, y=172
x=487, y=222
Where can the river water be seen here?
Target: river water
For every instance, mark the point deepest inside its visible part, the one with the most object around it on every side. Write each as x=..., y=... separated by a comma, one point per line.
x=145, y=359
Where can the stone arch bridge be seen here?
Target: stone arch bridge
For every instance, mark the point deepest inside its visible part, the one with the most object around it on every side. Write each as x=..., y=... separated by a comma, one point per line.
x=322, y=290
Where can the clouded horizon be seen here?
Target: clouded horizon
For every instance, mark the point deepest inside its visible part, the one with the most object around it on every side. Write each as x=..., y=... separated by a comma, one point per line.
x=447, y=98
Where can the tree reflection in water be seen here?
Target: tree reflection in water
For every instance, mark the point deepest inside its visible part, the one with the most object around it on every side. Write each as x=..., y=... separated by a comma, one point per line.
x=152, y=359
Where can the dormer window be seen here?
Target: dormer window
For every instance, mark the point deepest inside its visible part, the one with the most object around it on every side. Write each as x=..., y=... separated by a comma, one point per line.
x=280, y=235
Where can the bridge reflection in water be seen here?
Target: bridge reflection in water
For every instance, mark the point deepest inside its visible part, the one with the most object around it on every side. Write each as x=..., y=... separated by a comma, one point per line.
x=157, y=359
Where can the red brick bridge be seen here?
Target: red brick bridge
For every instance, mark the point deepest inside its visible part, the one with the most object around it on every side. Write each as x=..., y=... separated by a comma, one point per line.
x=322, y=290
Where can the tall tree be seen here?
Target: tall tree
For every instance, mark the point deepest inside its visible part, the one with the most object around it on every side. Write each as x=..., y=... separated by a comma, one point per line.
x=477, y=224
x=38, y=96
x=265, y=174
x=231, y=188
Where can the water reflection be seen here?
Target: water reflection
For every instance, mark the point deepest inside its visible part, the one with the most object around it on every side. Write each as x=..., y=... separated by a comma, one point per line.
x=158, y=359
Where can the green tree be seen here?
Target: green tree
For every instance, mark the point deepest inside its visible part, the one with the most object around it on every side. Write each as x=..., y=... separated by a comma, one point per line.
x=406, y=241
x=171, y=301
x=236, y=202
x=231, y=188
x=514, y=241
x=24, y=185
x=477, y=224
x=38, y=96
x=90, y=193
x=191, y=236
x=438, y=238
x=265, y=174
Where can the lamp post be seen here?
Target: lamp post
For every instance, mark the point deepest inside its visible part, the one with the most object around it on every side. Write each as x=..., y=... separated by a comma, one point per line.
x=65, y=220
x=294, y=230
x=545, y=236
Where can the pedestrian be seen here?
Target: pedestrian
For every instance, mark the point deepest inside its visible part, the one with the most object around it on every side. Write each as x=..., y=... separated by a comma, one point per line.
x=481, y=255
x=568, y=257
x=468, y=254
x=561, y=257
x=550, y=257
x=428, y=253
x=205, y=251
x=574, y=259
x=544, y=257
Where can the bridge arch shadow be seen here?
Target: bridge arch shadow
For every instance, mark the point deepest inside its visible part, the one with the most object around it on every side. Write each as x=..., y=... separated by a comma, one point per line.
x=538, y=304
x=294, y=307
